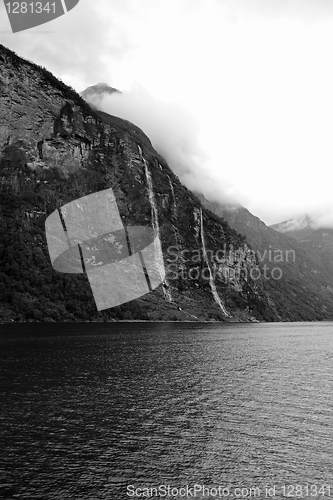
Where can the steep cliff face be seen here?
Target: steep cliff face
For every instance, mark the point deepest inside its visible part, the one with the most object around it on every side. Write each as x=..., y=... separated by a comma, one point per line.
x=54, y=149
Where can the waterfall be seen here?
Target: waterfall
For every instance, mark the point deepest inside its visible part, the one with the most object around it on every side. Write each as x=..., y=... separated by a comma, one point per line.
x=211, y=280
x=173, y=195
x=156, y=227
x=180, y=257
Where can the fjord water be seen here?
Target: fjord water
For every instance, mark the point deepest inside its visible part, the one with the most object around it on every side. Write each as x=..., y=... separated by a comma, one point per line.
x=89, y=409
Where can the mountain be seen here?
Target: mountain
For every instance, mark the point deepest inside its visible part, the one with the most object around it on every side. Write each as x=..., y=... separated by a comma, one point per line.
x=98, y=90
x=301, y=287
x=318, y=241
x=54, y=148
x=293, y=226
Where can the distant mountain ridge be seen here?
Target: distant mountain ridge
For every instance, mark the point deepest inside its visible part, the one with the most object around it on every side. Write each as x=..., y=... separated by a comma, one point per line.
x=316, y=240
x=295, y=224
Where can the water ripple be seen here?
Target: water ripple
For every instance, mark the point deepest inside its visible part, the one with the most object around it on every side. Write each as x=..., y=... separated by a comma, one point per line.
x=89, y=409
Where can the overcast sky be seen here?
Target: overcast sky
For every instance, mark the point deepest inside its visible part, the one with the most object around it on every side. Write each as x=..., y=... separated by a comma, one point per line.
x=249, y=84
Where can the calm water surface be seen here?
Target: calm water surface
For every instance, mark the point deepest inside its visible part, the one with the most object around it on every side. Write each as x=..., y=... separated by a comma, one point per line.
x=87, y=410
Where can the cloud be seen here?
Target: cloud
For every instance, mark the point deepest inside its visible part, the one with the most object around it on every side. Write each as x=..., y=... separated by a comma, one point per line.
x=174, y=133
x=317, y=218
x=324, y=218
x=301, y=10
x=76, y=45
x=255, y=74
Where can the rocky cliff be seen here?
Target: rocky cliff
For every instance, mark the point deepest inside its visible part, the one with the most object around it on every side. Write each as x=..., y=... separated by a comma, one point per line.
x=54, y=149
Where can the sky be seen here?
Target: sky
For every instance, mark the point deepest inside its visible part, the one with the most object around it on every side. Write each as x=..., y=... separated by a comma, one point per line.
x=236, y=94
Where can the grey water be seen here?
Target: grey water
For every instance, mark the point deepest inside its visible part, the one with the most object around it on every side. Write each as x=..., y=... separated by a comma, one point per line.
x=103, y=411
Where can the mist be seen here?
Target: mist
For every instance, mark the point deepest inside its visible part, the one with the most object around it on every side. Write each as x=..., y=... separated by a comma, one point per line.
x=174, y=133
x=315, y=218
x=323, y=218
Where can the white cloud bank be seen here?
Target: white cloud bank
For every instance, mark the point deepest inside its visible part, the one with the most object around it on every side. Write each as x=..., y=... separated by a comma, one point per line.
x=174, y=133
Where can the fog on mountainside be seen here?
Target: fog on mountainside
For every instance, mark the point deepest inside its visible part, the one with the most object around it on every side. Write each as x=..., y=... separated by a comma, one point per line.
x=175, y=135
x=173, y=132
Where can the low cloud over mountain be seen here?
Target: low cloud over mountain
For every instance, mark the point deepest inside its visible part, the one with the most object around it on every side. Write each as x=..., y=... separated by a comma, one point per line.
x=173, y=131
